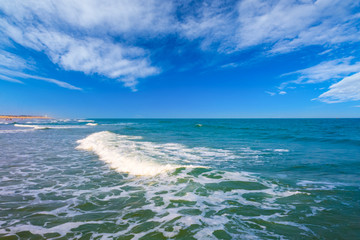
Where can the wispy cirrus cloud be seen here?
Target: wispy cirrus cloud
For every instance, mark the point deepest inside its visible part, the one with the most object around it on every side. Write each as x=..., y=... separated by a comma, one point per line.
x=348, y=89
x=10, y=60
x=289, y=25
x=79, y=35
x=270, y=93
x=282, y=26
x=91, y=55
x=212, y=22
x=14, y=76
x=346, y=69
x=12, y=69
x=128, y=17
x=10, y=79
x=324, y=71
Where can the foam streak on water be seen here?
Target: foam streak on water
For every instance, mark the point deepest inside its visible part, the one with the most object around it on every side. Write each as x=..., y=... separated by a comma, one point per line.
x=41, y=127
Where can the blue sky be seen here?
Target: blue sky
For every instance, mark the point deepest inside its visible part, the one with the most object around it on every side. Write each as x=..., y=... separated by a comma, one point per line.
x=248, y=58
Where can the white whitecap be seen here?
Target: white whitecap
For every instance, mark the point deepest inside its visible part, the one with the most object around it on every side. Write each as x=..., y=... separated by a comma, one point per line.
x=85, y=120
x=30, y=126
x=91, y=124
x=122, y=154
x=281, y=150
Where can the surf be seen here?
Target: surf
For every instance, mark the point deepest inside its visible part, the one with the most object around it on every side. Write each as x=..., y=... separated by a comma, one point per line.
x=130, y=154
x=123, y=154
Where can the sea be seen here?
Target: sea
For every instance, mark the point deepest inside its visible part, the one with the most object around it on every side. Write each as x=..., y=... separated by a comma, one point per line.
x=180, y=179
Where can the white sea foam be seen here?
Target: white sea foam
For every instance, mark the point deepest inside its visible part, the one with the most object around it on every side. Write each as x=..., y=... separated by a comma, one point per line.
x=30, y=126
x=148, y=158
x=281, y=150
x=91, y=124
x=176, y=194
x=16, y=131
x=85, y=120
x=123, y=154
x=118, y=124
x=40, y=127
x=61, y=229
x=321, y=185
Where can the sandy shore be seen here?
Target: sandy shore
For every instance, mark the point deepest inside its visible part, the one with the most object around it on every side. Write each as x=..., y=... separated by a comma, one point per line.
x=21, y=117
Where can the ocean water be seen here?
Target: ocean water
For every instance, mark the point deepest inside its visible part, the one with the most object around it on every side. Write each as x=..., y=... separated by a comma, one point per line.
x=180, y=179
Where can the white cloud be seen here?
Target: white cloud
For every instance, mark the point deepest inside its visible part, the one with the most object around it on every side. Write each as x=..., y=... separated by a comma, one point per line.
x=290, y=25
x=10, y=60
x=213, y=23
x=282, y=92
x=9, y=79
x=77, y=35
x=95, y=16
x=348, y=89
x=295, y=24
x=324, y=71
x=269, y=21
x=92, y=55
x=271, y=93
x=12, y=67
x=10, y=75
x=230, y=65
x=97, y=37
x=282, y=25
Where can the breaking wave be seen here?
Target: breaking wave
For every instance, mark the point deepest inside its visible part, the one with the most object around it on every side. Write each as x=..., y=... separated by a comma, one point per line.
x=128, y=154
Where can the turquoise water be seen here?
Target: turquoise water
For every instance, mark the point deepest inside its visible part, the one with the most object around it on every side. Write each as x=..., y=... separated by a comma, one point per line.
x=180, y=179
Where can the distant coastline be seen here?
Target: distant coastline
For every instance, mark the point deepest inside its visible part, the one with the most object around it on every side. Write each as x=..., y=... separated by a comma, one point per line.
x=10, y=117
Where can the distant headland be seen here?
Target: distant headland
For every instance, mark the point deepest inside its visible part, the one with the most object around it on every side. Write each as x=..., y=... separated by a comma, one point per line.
x=11, y=117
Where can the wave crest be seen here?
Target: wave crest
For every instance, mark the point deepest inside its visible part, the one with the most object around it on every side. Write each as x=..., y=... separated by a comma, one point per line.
x=123, y=154
x=128, y=154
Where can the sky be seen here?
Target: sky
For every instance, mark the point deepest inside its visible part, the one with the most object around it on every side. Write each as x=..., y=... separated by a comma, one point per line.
x=180, y=59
